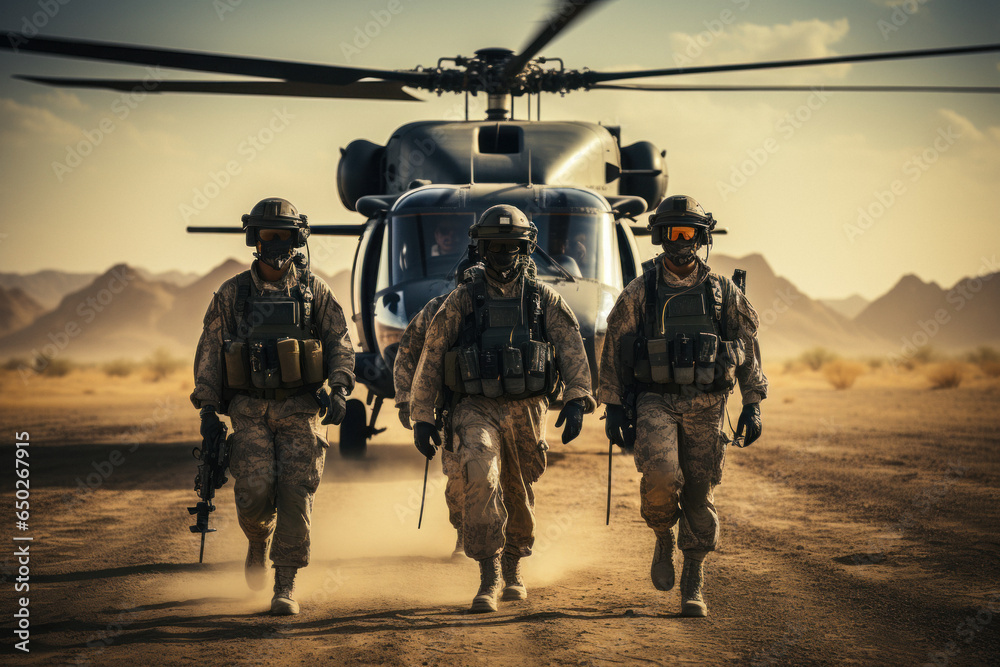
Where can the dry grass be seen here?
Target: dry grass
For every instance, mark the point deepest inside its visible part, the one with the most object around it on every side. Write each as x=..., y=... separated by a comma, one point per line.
x=945, y=375
x=119, y=368
x=161, y=364
x=991, y=368
x=816, y=357
x=842, y=374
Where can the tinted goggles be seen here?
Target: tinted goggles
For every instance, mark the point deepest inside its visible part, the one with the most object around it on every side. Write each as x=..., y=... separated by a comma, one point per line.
x=680, y=233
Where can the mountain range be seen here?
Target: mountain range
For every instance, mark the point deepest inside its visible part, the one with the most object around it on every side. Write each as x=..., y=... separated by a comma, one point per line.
x=127, y=312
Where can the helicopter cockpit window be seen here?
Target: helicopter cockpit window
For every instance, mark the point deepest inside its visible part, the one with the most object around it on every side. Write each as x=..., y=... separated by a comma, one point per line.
x=574, y=240
x=426, y=244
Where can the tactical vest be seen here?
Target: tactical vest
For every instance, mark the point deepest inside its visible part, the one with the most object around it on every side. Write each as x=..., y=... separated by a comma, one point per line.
x=276, y=352
x=503, y=349
x=686, y=340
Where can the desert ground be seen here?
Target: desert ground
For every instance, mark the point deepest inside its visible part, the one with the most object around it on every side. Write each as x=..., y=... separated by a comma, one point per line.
x=862, y=528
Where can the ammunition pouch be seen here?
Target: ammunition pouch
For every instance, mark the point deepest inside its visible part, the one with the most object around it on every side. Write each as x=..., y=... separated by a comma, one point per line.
x=664, y=366
x=513, y=371
x=261, y=367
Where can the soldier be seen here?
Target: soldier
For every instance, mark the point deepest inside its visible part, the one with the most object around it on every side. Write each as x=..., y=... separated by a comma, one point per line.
x=501, y=342
x=678, y=338
x=410, y=346
x=272, y=336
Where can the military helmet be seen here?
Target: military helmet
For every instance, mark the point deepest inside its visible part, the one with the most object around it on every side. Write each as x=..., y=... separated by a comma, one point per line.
x=275, y=213
x=504, y=223
x=680, y=210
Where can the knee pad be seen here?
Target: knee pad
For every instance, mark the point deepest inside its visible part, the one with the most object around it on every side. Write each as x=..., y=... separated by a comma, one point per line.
x=660, y=487
x=477, y=471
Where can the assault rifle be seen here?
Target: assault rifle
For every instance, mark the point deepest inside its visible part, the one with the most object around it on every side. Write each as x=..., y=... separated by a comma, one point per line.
x=213, y=460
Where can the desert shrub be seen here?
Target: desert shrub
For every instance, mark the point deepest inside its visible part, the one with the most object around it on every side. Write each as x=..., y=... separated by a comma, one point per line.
x=983, y=354
x=875, y=363
x=15, y=363
x=161, y=363
x=56, y=367
x=119, y=368
x=991, y=368
x=816, y=357
x=925, y=355
x=842, y=374
x=945, y=375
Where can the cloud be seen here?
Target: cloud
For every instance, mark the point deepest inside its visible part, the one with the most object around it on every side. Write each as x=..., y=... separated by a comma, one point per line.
x=748, y=42
x=60, y=99
x=22, y=124
x=910, y=6
x=962, y=125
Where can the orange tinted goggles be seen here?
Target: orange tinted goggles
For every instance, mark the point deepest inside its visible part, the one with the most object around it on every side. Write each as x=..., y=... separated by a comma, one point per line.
x=680, y=233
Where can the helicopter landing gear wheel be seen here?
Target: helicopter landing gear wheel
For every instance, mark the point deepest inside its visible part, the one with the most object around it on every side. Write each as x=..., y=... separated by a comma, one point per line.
x=354, y=431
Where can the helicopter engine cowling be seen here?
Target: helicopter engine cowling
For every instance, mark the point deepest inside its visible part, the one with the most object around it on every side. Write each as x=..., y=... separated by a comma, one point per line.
x=643, y=156
x=360, y=172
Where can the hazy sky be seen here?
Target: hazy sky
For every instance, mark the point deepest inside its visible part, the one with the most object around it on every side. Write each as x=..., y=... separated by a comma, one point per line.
x=841, y=192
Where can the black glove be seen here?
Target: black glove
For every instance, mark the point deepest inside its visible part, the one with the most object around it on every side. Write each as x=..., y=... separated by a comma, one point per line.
x=572, y=414
x=333, y=405
x=749, y=421
x=614, y=426
x=211, y=425
x=404, y=415
x=423, y=433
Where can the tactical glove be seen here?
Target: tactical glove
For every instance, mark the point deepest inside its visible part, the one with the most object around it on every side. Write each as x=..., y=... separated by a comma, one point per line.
x=211, y=425
x=572, y=414
x=423, y=433
x=614, y=425
x=404, y=415
x=749, y=421
x=333, y=405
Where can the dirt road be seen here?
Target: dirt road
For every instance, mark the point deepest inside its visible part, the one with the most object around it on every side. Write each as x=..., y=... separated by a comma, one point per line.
x=862, y=528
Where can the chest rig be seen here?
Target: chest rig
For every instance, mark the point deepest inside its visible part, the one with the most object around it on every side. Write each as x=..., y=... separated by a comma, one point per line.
x=502, y=349
x=686, y=340
x=276, y=351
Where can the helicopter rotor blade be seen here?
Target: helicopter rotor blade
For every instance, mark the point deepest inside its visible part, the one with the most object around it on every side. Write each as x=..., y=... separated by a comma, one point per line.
x=598, y=77
x=368, y=90
x=200, y=61
x=824, y=88
x=565, y=13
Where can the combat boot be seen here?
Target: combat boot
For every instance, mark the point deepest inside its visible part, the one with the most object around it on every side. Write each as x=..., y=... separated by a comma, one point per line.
x=255, y=568
x=692, y=577
x=282, y=603
x=490, y=583
x=662, y=569
x=459, y=551
x=510, y=566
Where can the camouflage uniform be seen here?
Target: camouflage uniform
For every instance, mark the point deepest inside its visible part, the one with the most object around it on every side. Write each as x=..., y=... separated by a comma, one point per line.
x=680, y=447
x=405, y=365
x=501, y=441
x=278, y=449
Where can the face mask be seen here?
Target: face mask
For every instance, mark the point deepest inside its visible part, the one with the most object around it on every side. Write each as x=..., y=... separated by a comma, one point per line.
x=276, y=253
x=501, y=260
x=680, y=252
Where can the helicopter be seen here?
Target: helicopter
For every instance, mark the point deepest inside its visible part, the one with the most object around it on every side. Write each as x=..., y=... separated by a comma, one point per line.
x=582, y=188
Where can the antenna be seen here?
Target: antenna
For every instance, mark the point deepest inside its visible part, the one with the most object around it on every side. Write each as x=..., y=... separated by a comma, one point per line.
x=472, y=163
